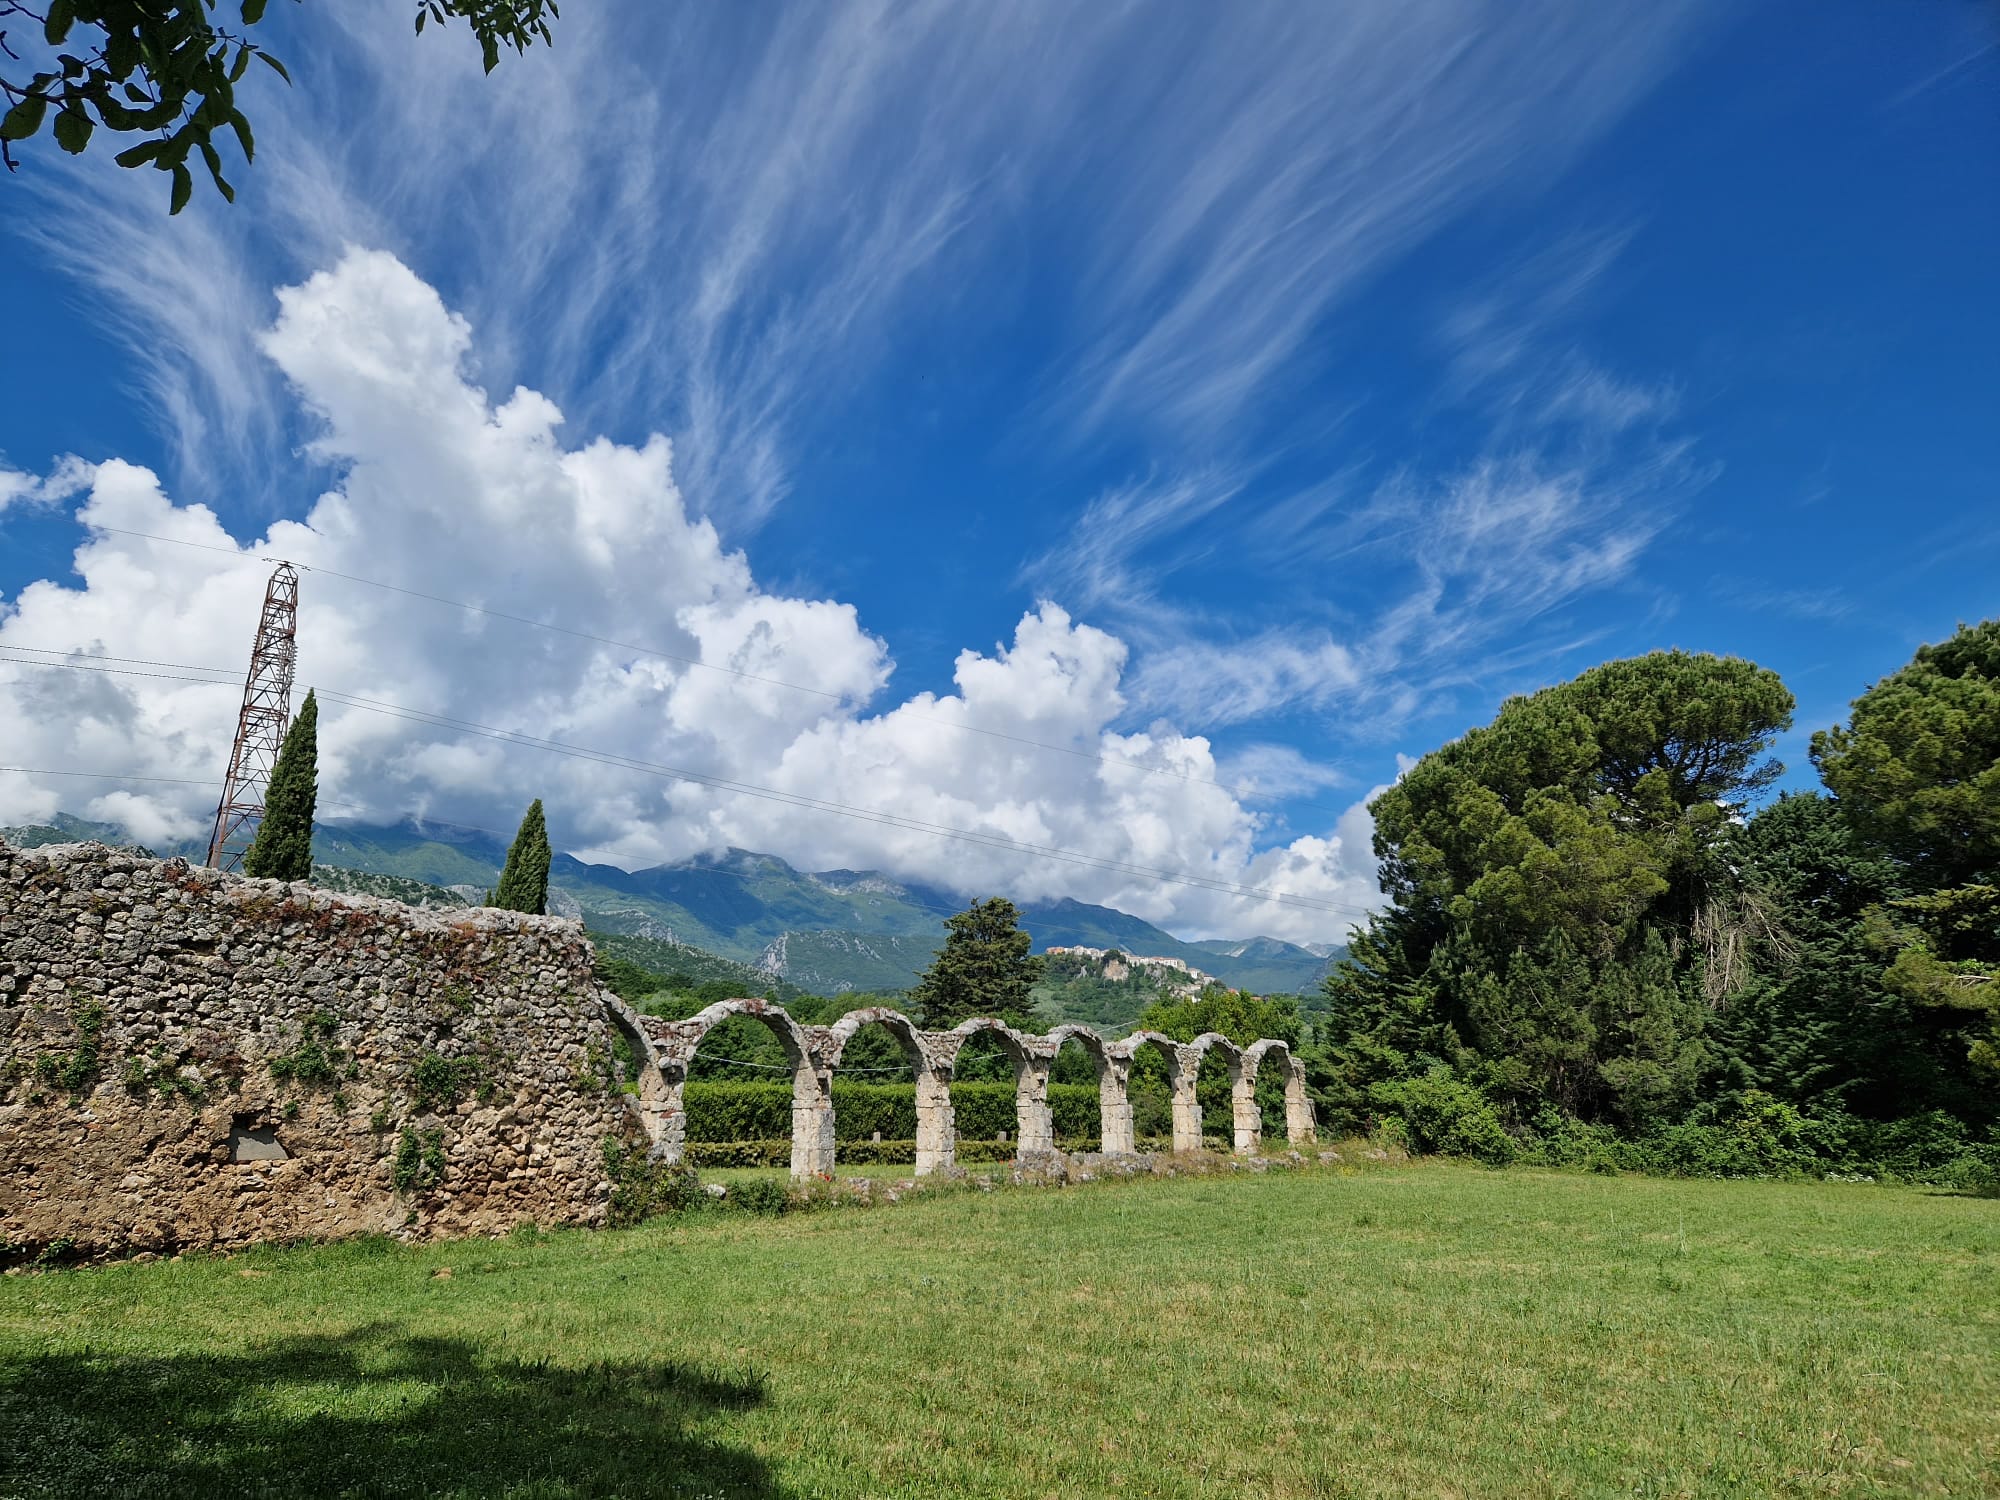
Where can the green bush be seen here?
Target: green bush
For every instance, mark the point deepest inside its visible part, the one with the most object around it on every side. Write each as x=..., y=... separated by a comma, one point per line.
x=641, y=1188
x=1560, y=1140
x=982, y=1110
x=1752, y=1135
x=1442, y=1115
x=737, y=1111
x=861, y=1109
x=760, y=1195
x=1931, y=1147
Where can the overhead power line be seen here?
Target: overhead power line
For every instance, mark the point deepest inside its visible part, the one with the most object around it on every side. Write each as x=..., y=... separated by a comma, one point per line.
x=1077, y=752
x=107, y=776
x=877, y=816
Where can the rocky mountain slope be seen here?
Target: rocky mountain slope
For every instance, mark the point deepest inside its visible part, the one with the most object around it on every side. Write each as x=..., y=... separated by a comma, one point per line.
x=826, y=932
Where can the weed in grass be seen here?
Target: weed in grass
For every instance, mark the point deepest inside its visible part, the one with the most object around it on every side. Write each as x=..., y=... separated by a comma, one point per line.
x=760, y=1195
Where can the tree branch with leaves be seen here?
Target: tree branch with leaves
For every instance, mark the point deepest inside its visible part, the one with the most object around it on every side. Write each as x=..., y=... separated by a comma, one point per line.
x=164, y=70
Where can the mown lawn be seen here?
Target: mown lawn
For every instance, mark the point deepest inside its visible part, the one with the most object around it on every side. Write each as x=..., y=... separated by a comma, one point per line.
x=1414, y=1330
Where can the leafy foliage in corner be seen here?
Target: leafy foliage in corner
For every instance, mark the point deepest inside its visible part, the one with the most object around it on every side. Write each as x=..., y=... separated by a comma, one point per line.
x=1818, y=1023
x=164, y=70
x=1561, y=912
x=282, y=849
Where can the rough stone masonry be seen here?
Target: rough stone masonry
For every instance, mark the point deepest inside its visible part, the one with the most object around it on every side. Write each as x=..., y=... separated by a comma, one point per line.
x=190, y=1058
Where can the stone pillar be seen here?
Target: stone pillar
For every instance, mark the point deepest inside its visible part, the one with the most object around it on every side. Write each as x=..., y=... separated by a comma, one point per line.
x=1114, y=1106
x=1248, y=1123
x=665, y=1114
x=1300, y=1128
x=937, y=1124
x=1031, y=1104
x=1187, y=1109
x=812, y=1119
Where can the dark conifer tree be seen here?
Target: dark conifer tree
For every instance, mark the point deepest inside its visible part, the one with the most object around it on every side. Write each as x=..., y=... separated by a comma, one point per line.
x=524, y=883
x=984, y=969
x=282, y=849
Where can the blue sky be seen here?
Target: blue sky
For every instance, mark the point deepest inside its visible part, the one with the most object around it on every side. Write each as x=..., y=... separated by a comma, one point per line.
x=1256, y=395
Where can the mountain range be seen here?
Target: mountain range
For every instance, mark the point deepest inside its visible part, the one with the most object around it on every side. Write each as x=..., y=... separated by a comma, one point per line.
x=826, y=931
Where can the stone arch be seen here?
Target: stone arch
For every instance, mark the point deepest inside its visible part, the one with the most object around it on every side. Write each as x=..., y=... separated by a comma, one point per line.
x=1128, y=1047
x=651, y=1103
x=812, y=1106
x=1247, y=1117
x=1182, y=1067
x=937, y=1126
x=1032, y=1057
x=1114, y=1076
x=898, y=1025
x=1232, y=1058
x=1301, y=1128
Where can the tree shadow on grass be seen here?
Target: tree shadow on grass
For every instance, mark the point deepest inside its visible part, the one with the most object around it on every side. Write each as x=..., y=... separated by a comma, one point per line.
x=368, y=1413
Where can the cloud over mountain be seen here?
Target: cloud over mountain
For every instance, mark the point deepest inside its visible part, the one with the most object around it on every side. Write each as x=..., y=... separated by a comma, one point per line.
x=449, y=491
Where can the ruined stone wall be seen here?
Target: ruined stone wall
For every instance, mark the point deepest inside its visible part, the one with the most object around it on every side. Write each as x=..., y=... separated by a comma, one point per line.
x=189, y=1058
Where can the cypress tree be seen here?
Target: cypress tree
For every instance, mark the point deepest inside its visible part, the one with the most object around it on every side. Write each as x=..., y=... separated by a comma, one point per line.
x=524, y=883
x=282, y=849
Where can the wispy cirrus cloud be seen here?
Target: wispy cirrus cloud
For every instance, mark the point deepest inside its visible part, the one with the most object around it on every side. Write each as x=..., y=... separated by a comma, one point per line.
x=704, y=222
x=1472, y=571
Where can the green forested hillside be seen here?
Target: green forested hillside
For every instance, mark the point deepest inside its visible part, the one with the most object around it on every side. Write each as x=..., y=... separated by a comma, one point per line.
x=393, y=887
x=825, y=932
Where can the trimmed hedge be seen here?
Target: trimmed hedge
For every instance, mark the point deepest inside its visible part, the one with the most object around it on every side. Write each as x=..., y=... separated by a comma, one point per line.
x=778, y=1153
x=724, y=1112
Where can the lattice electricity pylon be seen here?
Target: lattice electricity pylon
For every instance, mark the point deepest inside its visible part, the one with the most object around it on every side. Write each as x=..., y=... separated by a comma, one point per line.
x=261, y=726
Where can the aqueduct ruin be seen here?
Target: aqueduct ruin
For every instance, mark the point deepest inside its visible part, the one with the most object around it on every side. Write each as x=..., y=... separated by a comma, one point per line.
x=664, y=1049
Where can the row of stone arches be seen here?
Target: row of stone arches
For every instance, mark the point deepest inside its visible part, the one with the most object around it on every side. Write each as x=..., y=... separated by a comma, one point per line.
x=665, y=1049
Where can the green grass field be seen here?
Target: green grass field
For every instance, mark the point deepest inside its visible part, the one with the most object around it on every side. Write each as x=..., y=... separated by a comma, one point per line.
x=1415, y=1330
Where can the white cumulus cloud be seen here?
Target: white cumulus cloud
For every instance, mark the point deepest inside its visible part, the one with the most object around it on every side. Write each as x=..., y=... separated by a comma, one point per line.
x=667, y=651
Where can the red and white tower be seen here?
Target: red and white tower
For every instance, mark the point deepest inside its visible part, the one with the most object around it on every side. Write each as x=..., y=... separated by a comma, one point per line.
x=261, y=726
